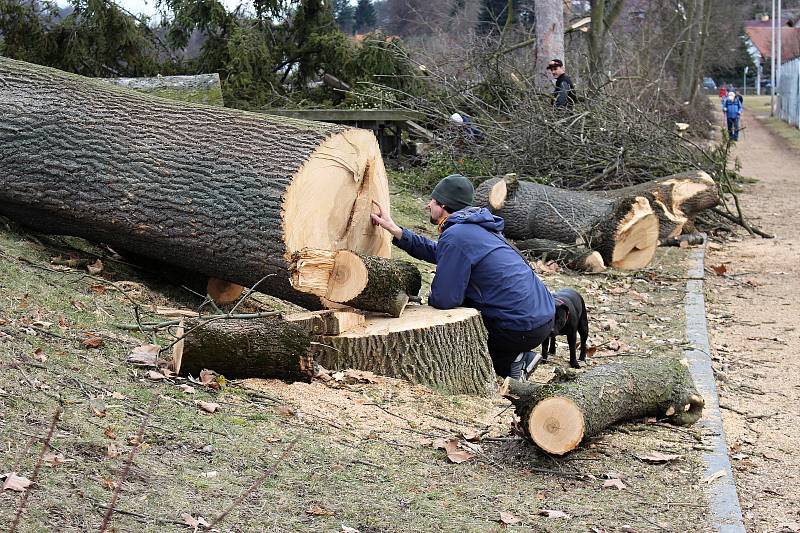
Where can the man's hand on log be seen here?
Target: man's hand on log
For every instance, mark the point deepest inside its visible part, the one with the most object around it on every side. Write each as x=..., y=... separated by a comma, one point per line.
x=382, y=219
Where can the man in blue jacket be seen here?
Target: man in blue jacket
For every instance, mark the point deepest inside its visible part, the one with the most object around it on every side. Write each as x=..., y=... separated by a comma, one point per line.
x=476, y=267
x=732, y=106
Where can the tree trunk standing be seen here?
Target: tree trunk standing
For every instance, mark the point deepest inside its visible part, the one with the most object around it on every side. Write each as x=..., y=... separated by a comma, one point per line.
x=701, y=48
x=549, y=29
x=249, y=348
x=623, y=230
x=558, y=415
x=444, y=349
x=604, y=14
x=219, y=191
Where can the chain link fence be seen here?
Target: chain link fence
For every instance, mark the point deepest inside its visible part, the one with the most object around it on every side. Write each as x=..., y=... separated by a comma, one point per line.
x=789, y=92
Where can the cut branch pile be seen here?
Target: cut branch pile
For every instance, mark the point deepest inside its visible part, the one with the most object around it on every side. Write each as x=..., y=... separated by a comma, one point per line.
x=559, y=415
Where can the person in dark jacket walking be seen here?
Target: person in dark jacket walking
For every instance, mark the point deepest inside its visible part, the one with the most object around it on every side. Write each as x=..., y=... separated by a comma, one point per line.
x=564, y=93
x=477, y=267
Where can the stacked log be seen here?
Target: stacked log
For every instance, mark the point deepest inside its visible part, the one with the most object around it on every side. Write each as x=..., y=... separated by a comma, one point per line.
x=219, y=191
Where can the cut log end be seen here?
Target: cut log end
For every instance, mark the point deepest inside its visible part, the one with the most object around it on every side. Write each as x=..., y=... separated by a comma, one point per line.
x=497, y=196
x=348, y=277
x=223, y=292
x=556, y=425
x=636, y=238
x=333, y=213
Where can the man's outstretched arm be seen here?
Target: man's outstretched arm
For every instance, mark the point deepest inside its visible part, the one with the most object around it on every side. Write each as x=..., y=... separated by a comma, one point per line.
x=417, y=246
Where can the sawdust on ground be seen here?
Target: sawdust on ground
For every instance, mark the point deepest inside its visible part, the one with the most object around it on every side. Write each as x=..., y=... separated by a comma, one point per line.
x=752, y=312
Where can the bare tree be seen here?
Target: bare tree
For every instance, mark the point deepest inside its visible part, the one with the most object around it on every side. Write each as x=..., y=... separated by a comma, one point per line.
x=549, y=27
x=604, y=14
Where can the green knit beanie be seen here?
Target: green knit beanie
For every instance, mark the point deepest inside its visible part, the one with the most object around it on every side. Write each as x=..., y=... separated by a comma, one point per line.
x=455, y=191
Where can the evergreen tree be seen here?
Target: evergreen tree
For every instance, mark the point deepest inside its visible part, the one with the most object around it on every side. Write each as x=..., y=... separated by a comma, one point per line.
x=364, y=16
x=344, y=13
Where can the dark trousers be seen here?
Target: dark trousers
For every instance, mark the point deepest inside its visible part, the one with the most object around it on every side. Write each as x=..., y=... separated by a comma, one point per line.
x=733, y=128
x=505, y=344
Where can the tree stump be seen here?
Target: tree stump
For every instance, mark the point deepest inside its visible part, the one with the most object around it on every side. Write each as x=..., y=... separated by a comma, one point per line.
x=218, y=191
x=444, y=349
x=559, y=415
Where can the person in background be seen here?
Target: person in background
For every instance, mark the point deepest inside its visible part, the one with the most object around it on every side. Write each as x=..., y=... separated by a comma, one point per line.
x=564, y=93
x=732, y=107
x=723, y=92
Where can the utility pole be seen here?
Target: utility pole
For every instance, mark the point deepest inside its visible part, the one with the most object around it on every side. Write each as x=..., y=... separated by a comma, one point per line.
x=744, y=81
x=772, y=67
x=779, y=55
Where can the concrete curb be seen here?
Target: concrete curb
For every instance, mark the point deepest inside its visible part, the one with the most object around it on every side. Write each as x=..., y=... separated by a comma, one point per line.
x=725, y=511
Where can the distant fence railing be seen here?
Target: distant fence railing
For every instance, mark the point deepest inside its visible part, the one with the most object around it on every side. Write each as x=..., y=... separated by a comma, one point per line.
x=789, y=92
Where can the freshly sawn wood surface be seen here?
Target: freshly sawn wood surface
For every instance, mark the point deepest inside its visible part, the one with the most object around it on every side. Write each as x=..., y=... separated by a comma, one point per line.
x=218, y=191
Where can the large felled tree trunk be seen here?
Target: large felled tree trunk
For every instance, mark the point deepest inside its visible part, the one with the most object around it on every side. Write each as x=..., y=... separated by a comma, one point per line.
x=364, y=282
x=445, y=349
x=675, y=199
x=268, y=347
x=623, y=230
x=558, y=415
x=218, y=191
x=570, y=255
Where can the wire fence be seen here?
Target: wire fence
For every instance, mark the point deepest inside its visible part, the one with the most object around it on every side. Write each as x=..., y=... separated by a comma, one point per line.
x=789, y=92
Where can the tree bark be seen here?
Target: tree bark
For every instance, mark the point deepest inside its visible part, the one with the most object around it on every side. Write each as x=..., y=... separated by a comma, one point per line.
x=675, y=199
x=549, y=29
x=571, y=256
x=623, y=230
x=558, y=415
x=218, y=191
x=268, y=347
x=444, y=349
x=360, y=281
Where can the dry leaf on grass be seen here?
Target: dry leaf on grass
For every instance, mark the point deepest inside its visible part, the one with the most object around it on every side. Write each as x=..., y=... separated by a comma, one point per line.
x=112, y=451
x=95, y=268
x=188, y=389
x=196, y=523
x=614, y=483
x=208, y=407
x=316, y=510
x=92, y=341
x=109, y=433
x=209, y=378
x=719, y=270
x=285, y=410
x=508, y=519
x=347, y=529
x=549, y=513
x=39, y=355
x=97, y=408
x=455, y=449
x=118, y=396
x=15, y=482
x=109, y=484
x=658, y=457
x=53, y=459
x=716, y=475
x=144, y=355
x=155, y=375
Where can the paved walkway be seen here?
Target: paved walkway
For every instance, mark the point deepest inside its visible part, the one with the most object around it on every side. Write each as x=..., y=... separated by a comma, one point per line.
x=753, y=321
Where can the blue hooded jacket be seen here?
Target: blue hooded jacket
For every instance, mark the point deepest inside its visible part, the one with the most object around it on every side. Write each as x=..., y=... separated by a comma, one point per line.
x=732, y=108
x=476, y=268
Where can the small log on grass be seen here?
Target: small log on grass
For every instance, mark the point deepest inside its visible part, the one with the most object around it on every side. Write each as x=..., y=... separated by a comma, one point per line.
x=559, y=415
x=623, y=230
x=571, y=256
x=445, y=349
x=360, y=281
x=269, y=347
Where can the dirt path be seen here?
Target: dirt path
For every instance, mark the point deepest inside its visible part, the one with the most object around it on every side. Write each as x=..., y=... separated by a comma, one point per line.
x=752, y=313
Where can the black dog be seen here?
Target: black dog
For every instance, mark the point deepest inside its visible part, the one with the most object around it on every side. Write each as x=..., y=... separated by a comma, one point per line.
x=570, y=319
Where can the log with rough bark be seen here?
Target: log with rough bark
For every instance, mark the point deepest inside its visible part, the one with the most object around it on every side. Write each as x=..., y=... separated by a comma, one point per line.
x=558, y=415
x=269, y=347
x=223, y=192
x=445, y=349
x=571, y=256
x=328, y=322
x=623, y=230
x=676, y=199
x=360, y=281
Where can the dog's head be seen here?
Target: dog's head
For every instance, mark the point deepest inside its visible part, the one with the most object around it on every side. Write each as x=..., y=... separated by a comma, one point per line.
x=561, y=316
